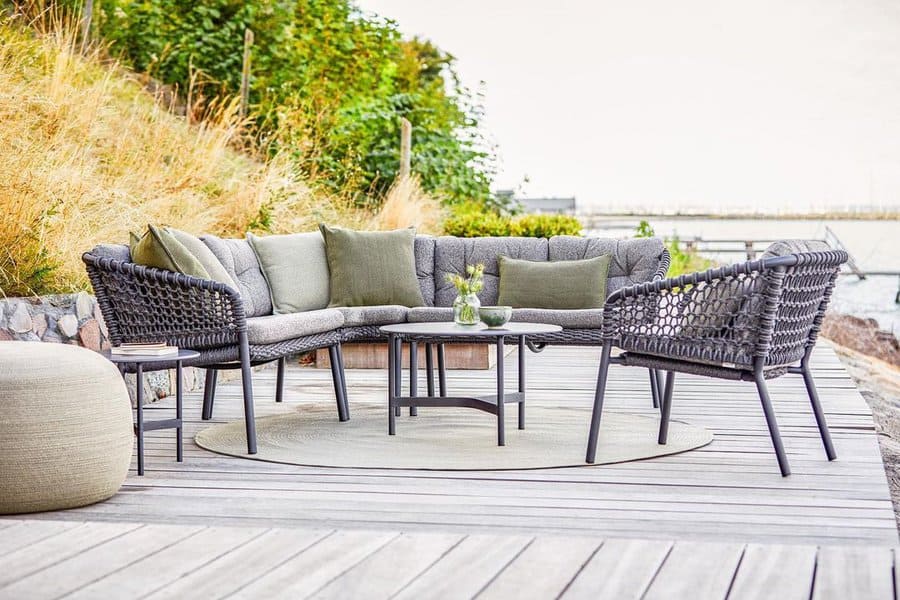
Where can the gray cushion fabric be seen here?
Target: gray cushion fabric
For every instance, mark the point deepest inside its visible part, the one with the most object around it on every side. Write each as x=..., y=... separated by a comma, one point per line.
x=240, y=261
x=295, y=268
x=430, y=314
x=424, y=249
x=114, y=251
x=356, y=316
x=452, y=255
x=633, y=260
x=574, y=319
x=278, y=328
x=785, y=247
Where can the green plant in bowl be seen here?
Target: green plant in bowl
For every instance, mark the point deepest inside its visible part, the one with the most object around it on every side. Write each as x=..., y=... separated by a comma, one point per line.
x=495, y=316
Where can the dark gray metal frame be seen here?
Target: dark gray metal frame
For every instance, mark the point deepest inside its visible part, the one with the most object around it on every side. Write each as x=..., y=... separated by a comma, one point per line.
x=751, y=321
x=493, y=403
x=145, y=304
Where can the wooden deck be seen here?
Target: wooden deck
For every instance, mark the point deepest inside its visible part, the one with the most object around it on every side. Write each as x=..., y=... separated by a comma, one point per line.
x=55, y=559
x=719, y=519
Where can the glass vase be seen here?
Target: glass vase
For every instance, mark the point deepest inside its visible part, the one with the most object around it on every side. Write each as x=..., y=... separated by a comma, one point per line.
x=465, y=310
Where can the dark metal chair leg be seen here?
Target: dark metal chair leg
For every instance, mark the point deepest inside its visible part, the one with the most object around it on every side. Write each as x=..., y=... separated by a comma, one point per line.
x=817, y=410
x=501, y=409
x=279, y=379
x=209, y=394
x=413, y=375
x=442, y=371
x=337, y=380
x=666, y=408
x=771, y=422
x=139, y=428
x=654, y=388
x=247, y=382
x=598, y=402
x=392, y=415
x=179, y=411
x=398, y=371
x=429, y=369
x=521, y=352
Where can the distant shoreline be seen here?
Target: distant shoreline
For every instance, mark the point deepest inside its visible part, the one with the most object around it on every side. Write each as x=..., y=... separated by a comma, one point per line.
x=831, y=216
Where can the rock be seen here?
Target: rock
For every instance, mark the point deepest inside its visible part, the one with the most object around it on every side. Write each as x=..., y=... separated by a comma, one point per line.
x=39, y=324
x=90, y=335
x=67, y=325
x=84, y=305
x=5, y=336
x=863, y=336
x=51, y=336
x=98, y=315
x=20, y=320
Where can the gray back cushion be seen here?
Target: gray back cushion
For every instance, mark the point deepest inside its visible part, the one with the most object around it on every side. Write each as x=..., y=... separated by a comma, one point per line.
x=113, y=251
x=240, y=261
x=785, y=247
x=424, y=249
x=452, y=255
x=633, y=260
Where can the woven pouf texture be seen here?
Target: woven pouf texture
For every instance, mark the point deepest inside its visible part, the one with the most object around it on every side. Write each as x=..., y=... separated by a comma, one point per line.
x=66, y=433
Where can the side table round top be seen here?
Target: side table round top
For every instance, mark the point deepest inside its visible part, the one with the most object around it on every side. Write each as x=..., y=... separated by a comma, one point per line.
x=183, y=354
x=450, y=329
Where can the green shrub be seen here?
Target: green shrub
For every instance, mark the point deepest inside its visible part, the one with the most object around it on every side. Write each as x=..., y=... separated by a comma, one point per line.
x=683, y=261
x=471, y=220
x=545, y=226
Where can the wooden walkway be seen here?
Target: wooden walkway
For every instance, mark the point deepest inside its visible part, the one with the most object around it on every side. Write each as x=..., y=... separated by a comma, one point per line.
x=55, y=559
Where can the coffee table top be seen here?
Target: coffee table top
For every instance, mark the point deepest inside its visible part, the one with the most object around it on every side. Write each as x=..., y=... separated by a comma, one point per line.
x=450, y=329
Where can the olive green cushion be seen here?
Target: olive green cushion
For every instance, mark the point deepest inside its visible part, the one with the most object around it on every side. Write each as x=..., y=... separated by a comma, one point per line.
x=204, y=255
x=159, y=248
x=563, y=284
x=295, y=268
x=370, y=268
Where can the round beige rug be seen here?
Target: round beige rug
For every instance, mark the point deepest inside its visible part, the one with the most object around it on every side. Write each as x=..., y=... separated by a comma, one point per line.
x=449, y=439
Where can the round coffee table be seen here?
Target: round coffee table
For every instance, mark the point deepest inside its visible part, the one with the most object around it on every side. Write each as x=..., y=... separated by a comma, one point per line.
x=440, y=333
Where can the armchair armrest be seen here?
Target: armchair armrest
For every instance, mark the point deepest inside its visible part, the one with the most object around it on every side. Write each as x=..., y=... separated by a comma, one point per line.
x=142, y=304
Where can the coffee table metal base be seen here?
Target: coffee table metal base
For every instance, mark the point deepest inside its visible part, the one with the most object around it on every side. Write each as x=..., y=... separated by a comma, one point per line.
x=488, y=403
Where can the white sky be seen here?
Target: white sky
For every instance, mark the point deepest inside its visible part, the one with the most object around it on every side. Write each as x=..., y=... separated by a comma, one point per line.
x=668, y=104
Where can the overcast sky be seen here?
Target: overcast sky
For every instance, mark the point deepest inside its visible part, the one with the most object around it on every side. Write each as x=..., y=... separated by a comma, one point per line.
x=688, y=103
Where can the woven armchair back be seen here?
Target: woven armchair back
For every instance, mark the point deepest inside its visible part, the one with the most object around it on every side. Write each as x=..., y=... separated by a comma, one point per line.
x=769, y=309
x=144, y=304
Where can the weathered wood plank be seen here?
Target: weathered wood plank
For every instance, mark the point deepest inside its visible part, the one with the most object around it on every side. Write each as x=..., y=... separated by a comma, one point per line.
x=23, y=533
x=699, y=570
x=775, y=571
x=851, y=573
x=620, y=569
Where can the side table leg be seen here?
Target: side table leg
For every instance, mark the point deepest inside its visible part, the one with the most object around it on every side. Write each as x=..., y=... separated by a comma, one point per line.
x=413, y=375
x=139, y=430
x=442, y=372
x=522, y=381
x=179, y=440
x=396, y=347
x=429, y=368
x=391, y=375
x=501, y=428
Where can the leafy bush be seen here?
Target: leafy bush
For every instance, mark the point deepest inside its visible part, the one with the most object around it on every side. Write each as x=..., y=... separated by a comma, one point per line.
x=472, y=221
x=683, y=261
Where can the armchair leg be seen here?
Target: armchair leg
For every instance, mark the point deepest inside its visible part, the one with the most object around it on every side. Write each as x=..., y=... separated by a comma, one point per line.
x=337, y=377
x=817, y=410
x=247, y=381
x=666, y=408
x=279, y=379
x=771, y=422
x=598, y=403
x=209, y=394
x=654, y=387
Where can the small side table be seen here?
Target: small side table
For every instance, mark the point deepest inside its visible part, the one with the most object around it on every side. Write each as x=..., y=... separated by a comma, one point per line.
x=159, y=363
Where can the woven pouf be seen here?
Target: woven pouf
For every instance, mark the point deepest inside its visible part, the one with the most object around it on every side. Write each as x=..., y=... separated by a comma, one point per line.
x=65, y=427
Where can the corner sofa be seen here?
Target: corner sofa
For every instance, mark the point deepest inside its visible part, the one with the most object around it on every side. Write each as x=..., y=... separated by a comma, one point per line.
x=236, y=328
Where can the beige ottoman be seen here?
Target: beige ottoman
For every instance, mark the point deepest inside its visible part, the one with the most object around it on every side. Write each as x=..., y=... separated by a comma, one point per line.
x=65, y=427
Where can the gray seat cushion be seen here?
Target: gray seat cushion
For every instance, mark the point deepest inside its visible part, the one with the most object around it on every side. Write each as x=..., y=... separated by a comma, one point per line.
x=424, y=250
x=632, y=260
x=278, y=328
x=240, y=261
x=452, y=255
x=358, y=316
x=591, y=318
x=114, y=251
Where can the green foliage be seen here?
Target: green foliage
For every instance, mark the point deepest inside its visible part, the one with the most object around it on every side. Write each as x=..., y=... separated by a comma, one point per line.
x=329, y=82
x=471, y=220
x=683, y=260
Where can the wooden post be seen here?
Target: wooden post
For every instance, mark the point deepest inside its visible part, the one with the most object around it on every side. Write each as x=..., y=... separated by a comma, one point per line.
x=86, y=17
x=245, y=72
x=405, y=147
x=751, y=253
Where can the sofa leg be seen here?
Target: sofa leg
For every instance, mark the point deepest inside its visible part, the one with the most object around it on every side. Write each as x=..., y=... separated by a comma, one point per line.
x=771, y=422
x=209, y=394
x=817, y=410
x=343, y=373
x=247, y=381
x=654, y=388
x=666, y=403
x=598, y=403
x=279, y=379
x=337, y=376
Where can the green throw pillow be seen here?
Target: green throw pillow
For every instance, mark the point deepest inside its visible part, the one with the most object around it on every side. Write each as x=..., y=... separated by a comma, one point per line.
x=295, y=268
x=159, y=248
x=561, y=284
x=370, y=268
x=204, y=255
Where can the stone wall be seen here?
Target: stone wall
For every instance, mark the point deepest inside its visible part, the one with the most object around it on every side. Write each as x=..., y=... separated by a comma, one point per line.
x=76, y=319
